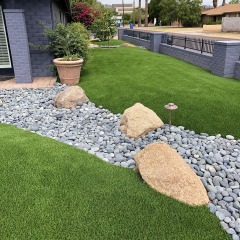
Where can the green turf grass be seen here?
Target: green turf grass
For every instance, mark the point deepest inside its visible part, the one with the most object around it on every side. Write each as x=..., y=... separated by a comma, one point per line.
x=112, y=42
x=50, y=190
x=118, y=78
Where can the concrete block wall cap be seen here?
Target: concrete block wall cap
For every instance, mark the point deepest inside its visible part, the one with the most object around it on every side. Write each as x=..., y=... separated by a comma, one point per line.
x=228, y=43
x=13, y=10
x=158, y=33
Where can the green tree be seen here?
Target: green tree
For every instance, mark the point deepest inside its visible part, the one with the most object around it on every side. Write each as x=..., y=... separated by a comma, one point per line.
x=234, y=1
x=193, y=14
x=169, y=9
x=134, y=17
x=127, y=17
x=154, y=10
x=187, y=12
x=105, y=28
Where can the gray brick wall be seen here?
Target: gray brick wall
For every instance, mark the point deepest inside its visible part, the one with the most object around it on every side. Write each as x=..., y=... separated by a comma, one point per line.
x=155, y=40
x=152, y=45
x=196, y=58
x=17, y=32
x=237, y=70
x=225, y=56
x=136, y=41
x=47, y=12
x=36, y=11
x=120, y=33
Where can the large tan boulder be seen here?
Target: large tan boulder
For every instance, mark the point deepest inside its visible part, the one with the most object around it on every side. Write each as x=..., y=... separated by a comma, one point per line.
x=139, y=120
x=163, y=169
x=70, y=97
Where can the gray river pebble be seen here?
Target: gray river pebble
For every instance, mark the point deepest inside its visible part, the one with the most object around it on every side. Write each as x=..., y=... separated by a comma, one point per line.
x=215, y=159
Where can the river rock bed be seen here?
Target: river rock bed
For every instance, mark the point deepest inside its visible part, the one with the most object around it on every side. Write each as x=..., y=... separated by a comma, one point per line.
x=216, y=160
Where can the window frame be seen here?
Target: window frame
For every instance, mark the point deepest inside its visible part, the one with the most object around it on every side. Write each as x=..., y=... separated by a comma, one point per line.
x=9, y=65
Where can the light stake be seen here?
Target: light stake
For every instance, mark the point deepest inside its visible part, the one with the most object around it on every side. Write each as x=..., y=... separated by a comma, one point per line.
x=171, y=107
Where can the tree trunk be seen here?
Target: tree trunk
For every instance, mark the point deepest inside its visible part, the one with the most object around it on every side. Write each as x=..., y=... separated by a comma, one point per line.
x=134, y=20
x=139, y=13
x=146, y=13
x=123, y=12
x=215, y=3
x=223, y=2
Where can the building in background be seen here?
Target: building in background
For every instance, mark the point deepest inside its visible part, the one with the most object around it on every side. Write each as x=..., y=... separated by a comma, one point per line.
x=216, y=14
x=128, y=8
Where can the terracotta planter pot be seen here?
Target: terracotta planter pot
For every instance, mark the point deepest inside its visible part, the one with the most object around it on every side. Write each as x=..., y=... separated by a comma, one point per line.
x=68, y=71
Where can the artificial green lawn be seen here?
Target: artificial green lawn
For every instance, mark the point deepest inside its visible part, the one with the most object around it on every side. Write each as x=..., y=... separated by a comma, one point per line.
x=50, y=190
x=113, y=42
x=118, y=78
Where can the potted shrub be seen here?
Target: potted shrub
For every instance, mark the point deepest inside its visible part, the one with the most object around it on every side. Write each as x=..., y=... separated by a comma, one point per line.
x=70, y=46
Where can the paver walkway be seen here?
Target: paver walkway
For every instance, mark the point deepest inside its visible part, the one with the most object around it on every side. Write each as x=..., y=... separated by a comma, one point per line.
x=40, y=82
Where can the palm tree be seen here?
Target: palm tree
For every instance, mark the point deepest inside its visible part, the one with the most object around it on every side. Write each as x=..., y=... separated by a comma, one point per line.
x=139, y=13
x=146, y=13
x=215, y=3
x=123, y=12
x=223, y=2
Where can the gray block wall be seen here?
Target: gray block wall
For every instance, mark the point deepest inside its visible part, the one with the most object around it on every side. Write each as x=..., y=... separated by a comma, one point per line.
x=137, y=41
x=47, y=12
x=237, y=70
x=36, y=11
x=225, y=55
x=155, y=40
x=18, y=41
x=196, y=58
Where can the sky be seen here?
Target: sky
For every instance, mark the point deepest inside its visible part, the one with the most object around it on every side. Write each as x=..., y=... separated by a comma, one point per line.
x=205, y=2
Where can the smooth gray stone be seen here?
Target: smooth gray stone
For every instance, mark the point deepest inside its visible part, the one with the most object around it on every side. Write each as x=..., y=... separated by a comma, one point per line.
x=224, y=225
x=235, y=237
x=219, y=196
x=229, y=137
x=224, y=183
x=225, y=212
x=227, y=219
x=211, y=188
x=124, y=164
x=231, y=231
x=220, y=215
x=217, y=180
x=228, y=199
x=237, y=228
x=212, y=207
x=211, y=195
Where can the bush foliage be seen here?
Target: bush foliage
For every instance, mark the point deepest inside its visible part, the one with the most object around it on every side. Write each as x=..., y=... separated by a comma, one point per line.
x=104, y=28
x=83, y=13
x=69, y=41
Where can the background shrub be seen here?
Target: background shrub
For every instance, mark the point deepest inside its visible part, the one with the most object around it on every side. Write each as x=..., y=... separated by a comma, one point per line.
x=104, y=28
x=212, y=23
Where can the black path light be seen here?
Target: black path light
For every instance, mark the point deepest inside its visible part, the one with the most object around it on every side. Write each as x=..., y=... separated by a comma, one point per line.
x=171, y=107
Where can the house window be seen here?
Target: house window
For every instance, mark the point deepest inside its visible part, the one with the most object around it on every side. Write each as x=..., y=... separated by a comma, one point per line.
x=5, y=61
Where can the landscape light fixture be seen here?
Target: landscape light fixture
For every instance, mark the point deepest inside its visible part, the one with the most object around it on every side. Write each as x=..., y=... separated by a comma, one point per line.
x=171, y=107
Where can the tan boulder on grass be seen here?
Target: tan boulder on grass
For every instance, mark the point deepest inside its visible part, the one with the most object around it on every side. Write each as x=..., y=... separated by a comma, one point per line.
x=162, y=168
x=139, y=120
x=70, y=97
